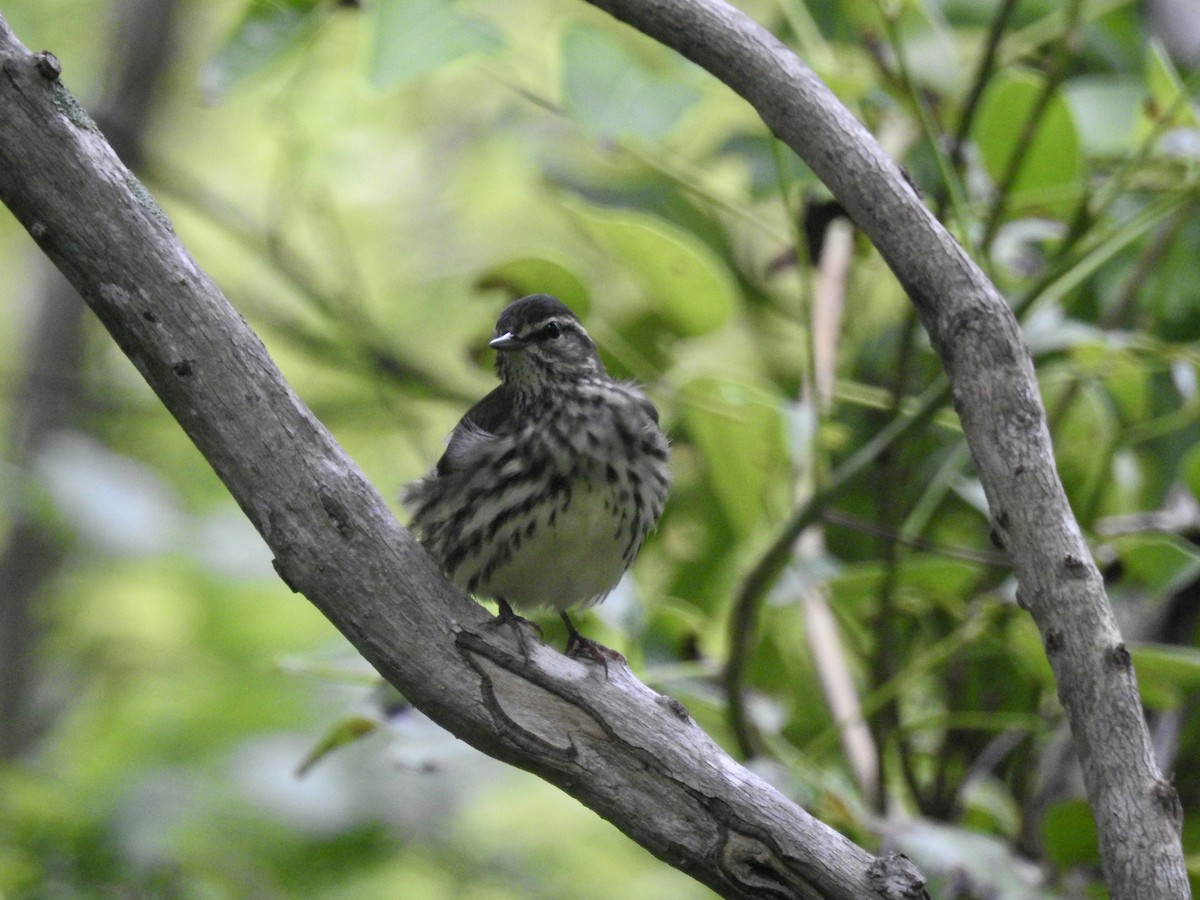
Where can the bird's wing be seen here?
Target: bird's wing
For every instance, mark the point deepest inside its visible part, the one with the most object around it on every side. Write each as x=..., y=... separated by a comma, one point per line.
x=487, y=417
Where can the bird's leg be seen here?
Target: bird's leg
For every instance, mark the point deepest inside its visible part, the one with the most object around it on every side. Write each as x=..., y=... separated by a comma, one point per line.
x=506, y=616
x=578, y=644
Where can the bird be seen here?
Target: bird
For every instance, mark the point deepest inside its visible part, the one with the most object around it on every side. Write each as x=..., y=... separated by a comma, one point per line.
x=549, y=484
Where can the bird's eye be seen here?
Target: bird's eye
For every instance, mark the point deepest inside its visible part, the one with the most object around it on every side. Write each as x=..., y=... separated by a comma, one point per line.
x=551, y=331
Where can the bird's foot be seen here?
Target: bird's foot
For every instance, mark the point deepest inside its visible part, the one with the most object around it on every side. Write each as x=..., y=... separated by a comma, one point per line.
x=518, y=624
x=578, y=645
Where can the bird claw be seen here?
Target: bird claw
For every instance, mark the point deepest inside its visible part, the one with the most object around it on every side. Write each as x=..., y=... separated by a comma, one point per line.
x=578, y=645
x=518, y=624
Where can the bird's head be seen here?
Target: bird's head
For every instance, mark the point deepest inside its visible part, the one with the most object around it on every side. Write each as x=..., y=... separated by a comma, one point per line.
x=541, y=343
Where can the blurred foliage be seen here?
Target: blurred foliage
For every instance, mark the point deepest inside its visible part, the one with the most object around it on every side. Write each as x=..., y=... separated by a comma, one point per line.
x=369, y=186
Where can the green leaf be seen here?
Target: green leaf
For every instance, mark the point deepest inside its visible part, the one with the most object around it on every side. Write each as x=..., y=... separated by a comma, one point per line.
x=686, y=283
x=1189, y=470
x=1168, y=95
x=1106, y=242
x=989, y=805
x=537, y=275
x=1105, y=110
x=1051, y=164
x=741, y=438
x=1069, y=834
x=346, y=731
x=925, y=580
x=1122, y=373
x=1084, y=435
x=1157, y=562
x=1166, y=674
x=415, y=37
x=266, y=32
x=612, y=95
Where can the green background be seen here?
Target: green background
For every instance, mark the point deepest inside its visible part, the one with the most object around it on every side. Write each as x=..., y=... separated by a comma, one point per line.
x=369, y=187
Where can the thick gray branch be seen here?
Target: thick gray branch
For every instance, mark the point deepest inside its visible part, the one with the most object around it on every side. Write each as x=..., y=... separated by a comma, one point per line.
x=632, y=755
x=996, y=395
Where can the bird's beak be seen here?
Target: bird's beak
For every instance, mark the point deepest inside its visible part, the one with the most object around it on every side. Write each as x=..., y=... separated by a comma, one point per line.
x=506, y=341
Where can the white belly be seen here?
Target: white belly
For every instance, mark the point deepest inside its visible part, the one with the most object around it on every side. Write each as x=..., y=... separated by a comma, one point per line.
x=574, y=561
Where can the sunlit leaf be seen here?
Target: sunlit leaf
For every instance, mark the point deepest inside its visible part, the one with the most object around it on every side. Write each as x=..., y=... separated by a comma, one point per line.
x=742, y=442
x=1105, y=109
x=1168, y=96
x=414, y=37
x=538, y=275
x=611, y=94
x=685, y=282
x=1050, y=164
x=266, y=31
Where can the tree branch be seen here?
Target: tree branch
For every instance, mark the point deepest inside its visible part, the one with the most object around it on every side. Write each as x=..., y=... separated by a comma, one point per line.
x=632, y=755
x=973, y=331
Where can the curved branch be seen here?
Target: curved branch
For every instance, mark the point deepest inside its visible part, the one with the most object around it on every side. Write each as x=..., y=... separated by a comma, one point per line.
x=634, y=756
x=973, y=331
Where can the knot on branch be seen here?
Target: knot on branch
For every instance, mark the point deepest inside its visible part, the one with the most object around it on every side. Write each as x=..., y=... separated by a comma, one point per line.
x=756, y=866
x=1168, y=798
x=1119, y=658
x=895, y=877
x=47, y=65
x=1076, y=566
x=338, y=514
